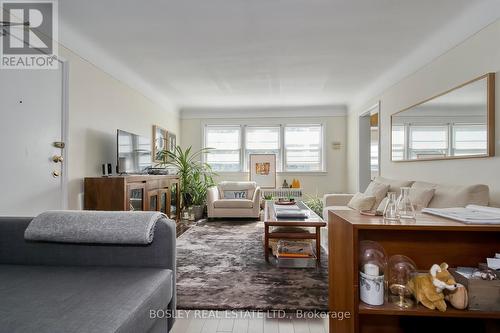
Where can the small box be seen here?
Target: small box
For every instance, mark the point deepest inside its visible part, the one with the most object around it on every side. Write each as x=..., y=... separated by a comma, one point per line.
x=483, y=295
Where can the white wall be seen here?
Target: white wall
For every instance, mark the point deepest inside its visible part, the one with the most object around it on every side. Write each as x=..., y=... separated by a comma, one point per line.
x=474, y=57
x=99, y=105
x=334, y=180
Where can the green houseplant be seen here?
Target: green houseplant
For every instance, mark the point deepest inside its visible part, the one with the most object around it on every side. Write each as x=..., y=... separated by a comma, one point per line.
x=195, y=176
x=315, y=203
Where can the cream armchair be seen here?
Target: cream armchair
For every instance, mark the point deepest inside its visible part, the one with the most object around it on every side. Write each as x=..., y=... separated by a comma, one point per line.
x=234, y=200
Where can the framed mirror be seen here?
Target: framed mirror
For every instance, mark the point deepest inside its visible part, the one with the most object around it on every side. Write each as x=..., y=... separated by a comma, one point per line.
x=459, y=123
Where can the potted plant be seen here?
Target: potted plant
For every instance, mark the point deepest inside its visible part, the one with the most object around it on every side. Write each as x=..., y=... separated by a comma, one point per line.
x=195, y=176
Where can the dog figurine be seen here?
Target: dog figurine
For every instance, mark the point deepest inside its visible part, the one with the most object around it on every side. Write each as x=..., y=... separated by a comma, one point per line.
x=428, y=288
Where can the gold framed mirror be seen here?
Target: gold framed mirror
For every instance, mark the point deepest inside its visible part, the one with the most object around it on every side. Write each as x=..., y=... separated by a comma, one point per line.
x=458, y=123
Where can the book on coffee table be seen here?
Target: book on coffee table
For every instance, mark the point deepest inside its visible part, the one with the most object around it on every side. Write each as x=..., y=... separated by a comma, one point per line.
x=292, y=211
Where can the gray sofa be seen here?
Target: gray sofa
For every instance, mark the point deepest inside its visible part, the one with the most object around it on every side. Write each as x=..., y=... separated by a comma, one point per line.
x=56, y=288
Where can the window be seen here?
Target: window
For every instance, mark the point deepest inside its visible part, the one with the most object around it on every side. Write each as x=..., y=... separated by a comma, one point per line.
x=303, y=148
x=262, y=140
x=297, y=147
x=226, y=142
x=398, y=142
x=469, y=139
x=428, y=141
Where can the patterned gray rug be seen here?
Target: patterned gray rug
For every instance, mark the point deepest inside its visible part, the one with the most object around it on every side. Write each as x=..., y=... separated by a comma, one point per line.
x=221, y=266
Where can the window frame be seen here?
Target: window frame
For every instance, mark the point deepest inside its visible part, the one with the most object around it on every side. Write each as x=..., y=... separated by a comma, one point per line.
x=240, y=149
x=280, y=168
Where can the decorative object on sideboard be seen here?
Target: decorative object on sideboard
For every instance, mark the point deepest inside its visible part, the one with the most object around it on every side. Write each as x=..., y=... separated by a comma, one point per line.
x=482, y=284
x=372, y=267
x=405, y=208
x=285, y=184
x=458, y=298
x=400, y=271
x=428, y=288
x=391, y=208
x=262, y=170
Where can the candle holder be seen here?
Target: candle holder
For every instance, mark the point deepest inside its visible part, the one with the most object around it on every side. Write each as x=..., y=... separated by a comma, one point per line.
x=372, y=266
x=400, y=270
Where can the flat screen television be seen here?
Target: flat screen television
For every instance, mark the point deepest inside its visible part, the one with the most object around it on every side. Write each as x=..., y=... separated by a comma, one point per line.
x=133, y=152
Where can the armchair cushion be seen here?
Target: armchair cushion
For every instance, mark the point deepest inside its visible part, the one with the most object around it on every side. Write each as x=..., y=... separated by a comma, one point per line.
x=233, y=203
x=249, y=187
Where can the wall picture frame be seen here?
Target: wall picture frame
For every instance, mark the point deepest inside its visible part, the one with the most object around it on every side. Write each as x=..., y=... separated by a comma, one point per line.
x=159, y=142
x=262, y=170
x=171, y=141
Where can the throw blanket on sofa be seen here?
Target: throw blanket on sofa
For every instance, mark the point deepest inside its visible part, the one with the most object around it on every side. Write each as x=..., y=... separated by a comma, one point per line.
x=93, y=227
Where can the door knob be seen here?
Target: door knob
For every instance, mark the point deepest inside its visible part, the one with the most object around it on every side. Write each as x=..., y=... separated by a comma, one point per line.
x=57, y=159
x=55, y=173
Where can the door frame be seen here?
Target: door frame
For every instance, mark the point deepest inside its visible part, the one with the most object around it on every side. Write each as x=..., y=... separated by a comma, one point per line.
x=64, y=130
x=364, y=141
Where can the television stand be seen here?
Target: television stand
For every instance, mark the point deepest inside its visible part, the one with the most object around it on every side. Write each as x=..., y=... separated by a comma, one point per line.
x=134, y=192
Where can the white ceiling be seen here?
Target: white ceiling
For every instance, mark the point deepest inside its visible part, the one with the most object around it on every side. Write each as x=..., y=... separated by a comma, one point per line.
x=240, y=53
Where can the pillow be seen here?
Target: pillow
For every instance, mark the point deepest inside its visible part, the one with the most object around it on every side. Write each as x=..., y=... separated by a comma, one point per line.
x=228, y=194
x=381, y=206
x=420, y=197
x=377, y=190
x=361, y=202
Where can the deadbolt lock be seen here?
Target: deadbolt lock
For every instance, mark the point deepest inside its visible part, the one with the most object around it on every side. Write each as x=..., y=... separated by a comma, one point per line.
x=55, y=173
x=59, y=144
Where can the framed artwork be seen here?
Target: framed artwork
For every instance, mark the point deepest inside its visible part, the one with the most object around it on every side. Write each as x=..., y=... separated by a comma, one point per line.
x=262, y=170
x=159, y=142
x=171, y=141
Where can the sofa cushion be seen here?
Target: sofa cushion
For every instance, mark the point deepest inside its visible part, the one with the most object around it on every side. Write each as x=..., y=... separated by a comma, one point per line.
x=446, y=196
x=68, y=299
x=249, y=187
x=420, y=197
x=377, y=190
x=394, y=184
x=233, y=203
x=334, y=208
x=231, y=194
x=362, y=202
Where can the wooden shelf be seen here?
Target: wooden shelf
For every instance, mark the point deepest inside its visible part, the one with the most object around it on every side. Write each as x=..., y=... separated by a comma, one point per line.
x=420, y=310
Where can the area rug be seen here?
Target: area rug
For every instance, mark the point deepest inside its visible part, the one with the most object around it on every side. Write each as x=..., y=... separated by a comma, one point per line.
x=221, y=266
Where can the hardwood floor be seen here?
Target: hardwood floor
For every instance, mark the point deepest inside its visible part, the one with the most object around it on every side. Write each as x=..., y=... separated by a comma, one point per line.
x=244, y=322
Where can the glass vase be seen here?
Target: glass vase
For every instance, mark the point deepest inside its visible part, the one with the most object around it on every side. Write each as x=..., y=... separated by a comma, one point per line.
x=391, y=209
x=405, y=208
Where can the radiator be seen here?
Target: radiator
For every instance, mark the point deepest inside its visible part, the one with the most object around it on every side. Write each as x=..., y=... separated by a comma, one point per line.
x=295, y=193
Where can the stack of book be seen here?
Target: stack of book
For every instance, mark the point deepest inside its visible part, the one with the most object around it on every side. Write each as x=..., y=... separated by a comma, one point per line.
x=294, y=249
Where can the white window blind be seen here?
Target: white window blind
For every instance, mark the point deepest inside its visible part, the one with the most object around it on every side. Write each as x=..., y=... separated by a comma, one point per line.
x=303, y=148
x=428, y=141
x=226, y=144
x=262, y=140
x=469, y=139
x=398, y=142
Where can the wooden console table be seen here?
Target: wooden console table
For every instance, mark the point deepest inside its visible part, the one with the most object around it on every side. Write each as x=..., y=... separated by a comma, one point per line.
x=134, y=192
x=427, y=241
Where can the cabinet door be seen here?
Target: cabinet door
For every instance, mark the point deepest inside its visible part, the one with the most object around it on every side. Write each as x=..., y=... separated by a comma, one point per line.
x=175, y=209
x=136, y=196
x=163, y=196
x=153, y=200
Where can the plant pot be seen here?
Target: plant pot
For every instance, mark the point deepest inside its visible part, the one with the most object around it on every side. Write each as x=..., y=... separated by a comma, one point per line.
x=198, y=211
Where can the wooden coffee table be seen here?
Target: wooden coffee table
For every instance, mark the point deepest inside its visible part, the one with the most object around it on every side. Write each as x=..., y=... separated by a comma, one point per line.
x=314, y=221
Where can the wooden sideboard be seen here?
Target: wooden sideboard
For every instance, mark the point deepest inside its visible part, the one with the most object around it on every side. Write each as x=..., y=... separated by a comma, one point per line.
x=134, y=192
x=427, y=241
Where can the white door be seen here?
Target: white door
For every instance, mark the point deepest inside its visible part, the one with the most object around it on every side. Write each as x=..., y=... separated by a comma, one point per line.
x=31, y=125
